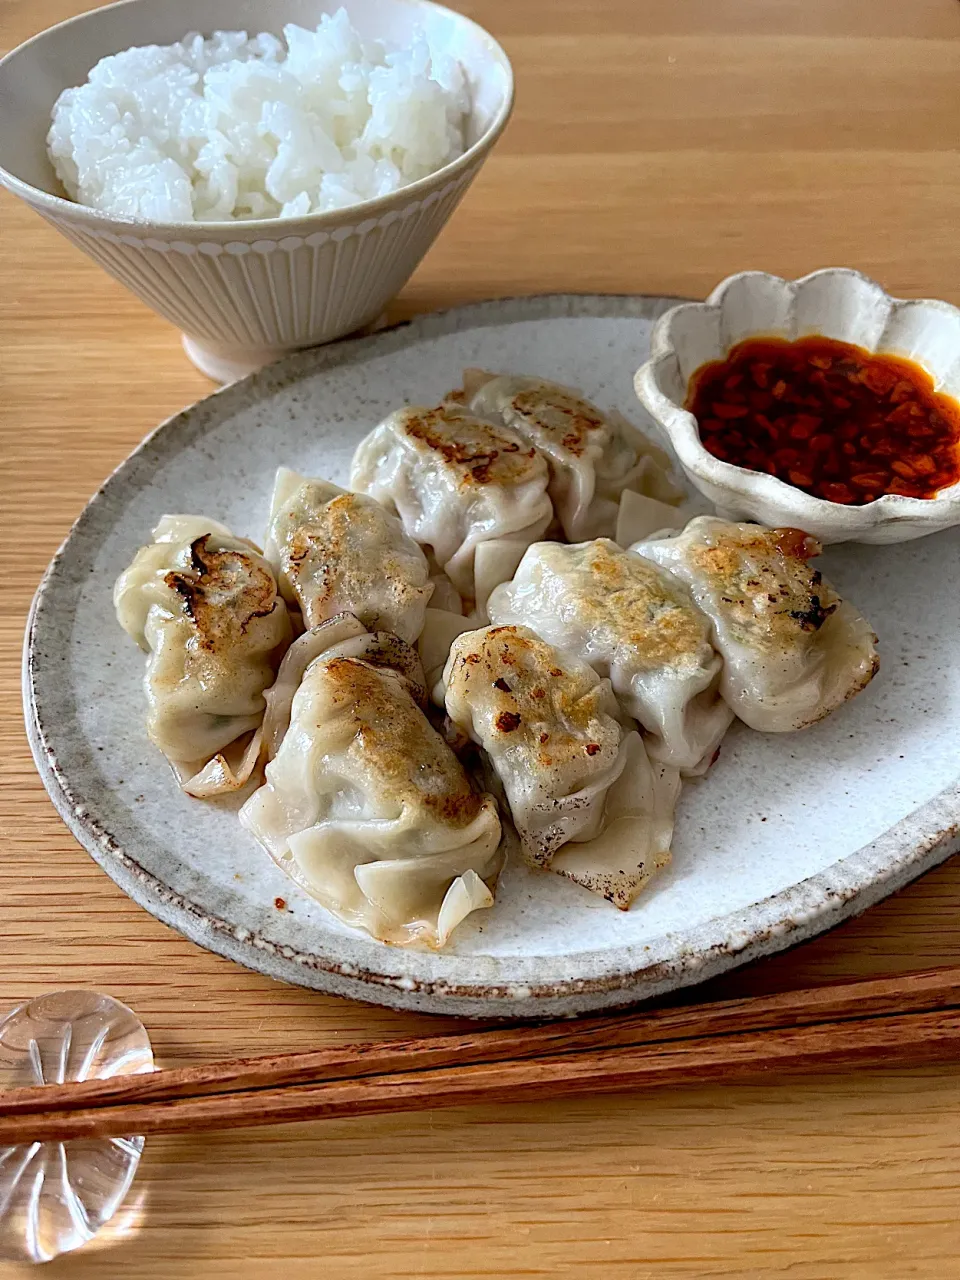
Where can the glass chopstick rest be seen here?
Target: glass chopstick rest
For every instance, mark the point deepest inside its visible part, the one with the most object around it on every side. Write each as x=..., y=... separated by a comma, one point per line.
x=56, y=1196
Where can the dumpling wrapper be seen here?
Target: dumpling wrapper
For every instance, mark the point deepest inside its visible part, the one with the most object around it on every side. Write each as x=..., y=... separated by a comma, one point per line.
x=792, y=650
x=496, y=562
x=367, y=808
x=585, y=800
x=641, y=517
x=205, y=606
x=229, y=770
x=445, y=595
x=456, y=482
x=638, y=831
x=635, y=625
x=592, y=456
x=440, y=629
x=337, y=552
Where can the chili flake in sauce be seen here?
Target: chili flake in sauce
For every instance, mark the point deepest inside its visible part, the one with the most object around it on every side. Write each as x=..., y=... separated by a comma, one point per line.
x=829, y=418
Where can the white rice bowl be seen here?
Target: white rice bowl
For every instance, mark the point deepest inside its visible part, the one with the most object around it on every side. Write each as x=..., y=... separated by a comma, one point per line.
x=235, y=128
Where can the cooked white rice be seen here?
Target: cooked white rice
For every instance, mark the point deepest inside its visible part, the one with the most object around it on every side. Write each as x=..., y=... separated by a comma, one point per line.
x=233, y=127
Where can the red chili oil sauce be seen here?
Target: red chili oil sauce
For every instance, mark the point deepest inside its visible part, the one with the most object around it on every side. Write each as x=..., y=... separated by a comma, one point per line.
x=829, y=418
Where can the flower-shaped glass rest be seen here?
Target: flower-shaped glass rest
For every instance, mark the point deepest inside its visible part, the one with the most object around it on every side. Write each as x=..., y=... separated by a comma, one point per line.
x=55, y=1196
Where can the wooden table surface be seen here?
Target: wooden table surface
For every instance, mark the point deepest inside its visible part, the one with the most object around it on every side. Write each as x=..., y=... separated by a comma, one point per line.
x=657, y=146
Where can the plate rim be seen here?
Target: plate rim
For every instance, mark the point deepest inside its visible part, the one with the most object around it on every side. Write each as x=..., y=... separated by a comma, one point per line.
x=920, y=840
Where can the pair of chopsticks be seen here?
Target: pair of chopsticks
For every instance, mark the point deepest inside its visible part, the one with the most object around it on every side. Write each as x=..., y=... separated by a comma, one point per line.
x=913, y=1017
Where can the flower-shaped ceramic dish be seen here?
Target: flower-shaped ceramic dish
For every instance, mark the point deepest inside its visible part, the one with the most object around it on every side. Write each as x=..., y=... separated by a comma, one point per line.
x=245, y=293
x=835, y=303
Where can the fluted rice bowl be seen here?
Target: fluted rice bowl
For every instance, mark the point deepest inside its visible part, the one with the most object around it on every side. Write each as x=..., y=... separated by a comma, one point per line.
x=245, y=292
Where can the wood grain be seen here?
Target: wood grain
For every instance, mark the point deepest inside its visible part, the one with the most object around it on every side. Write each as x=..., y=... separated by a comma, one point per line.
x=656, y=146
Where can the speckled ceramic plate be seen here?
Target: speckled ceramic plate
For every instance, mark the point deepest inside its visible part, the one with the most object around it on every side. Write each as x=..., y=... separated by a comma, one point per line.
x=785, y=837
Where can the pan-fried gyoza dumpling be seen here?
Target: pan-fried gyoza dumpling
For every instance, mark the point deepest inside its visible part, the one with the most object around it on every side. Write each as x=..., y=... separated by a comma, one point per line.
x=636, y=625
x=586, y=801
x=353, y=640
x=592, y=456
x=456, y=482
x=792, y=650
x=204, y=605
x=338, y=552
x=366, y=806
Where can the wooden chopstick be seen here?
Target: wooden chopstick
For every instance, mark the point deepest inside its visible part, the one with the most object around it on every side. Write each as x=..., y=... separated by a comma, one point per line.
x=906, y=993
x=926, y=1037
x=915, y=1016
